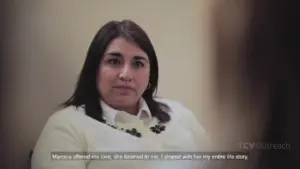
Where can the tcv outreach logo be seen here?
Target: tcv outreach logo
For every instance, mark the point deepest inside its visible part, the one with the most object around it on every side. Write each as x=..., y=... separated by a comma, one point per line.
x=264, y=146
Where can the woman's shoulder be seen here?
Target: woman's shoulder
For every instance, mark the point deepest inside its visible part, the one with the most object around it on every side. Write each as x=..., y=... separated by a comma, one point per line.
x=174, y=105
x=187, y=117
x=68, y=121
x=177, y=109
x=65, y=116
x=67, y=112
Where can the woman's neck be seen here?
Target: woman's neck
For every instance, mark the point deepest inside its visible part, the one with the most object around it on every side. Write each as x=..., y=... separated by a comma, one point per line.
x=133, y=110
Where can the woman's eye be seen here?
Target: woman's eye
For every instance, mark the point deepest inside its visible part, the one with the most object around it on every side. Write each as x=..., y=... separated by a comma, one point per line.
x=114, y=61
x=139, y=64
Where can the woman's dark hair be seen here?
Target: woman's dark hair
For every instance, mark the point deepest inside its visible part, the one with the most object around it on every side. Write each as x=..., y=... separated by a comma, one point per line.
x=86, y=93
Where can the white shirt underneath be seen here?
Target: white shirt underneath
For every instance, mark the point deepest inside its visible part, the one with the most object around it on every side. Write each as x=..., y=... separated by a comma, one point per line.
x=71, y=130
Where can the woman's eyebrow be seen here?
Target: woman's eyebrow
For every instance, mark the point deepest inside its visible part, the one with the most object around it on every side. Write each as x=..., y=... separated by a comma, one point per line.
x=140, y=58
x=117, y=54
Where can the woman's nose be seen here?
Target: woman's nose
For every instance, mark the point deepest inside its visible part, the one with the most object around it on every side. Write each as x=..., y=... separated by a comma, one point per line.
x=125, y=73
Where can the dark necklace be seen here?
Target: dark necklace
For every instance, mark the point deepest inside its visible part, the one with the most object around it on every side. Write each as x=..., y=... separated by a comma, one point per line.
x=157, y=129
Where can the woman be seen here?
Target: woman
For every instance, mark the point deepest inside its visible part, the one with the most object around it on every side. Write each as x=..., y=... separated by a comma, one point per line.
x=113, y=108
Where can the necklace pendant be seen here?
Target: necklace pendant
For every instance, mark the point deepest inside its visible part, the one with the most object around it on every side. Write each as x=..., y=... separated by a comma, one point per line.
x=157, y=129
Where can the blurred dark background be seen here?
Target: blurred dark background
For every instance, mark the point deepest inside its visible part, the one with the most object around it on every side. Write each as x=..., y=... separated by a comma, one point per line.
x=261, y=40
x=273, y=62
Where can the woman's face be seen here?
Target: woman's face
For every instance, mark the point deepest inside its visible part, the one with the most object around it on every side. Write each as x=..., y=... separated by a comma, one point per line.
x=123, y=74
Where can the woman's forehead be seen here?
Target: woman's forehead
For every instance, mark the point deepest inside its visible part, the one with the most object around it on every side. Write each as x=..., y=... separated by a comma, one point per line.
x=125, y=48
